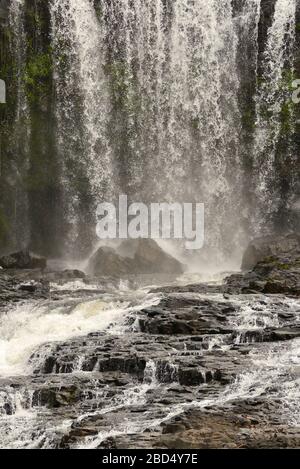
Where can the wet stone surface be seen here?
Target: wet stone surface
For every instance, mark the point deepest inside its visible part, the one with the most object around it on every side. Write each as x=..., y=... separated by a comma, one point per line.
x=176, y=368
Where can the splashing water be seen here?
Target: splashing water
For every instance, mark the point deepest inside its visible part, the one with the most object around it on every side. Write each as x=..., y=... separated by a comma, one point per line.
x=24, y=327
x=271, y=371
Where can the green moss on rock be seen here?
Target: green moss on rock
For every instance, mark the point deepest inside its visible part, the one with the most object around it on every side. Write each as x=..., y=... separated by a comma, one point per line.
x=38, y=73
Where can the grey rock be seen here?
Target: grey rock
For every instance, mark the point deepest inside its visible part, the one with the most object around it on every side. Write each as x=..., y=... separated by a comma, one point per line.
x=134, y=257
x=269, y=246
x=23, y=260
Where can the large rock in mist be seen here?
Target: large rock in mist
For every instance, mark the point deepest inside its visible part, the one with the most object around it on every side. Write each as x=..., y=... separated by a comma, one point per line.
x=273, y=267
x=270, y=246
x=22, y=260
x=134, y=257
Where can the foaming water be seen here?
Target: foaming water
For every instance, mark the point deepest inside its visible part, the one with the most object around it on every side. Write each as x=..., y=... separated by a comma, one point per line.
x=213, y=277
x=17, y=431
x=28, y=325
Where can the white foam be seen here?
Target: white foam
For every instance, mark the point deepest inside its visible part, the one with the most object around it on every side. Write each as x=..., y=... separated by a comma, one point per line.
x=26, y=326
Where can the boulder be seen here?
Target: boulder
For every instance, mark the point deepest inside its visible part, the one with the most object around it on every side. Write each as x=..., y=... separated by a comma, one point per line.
x=23, y=260
x=270, y=246
x=134, y=257
x=276, y=267
x=150, y=258
x=106, y=261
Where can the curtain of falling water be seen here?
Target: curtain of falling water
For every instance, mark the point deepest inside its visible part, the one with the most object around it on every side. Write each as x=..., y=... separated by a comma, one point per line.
x=147, y=104
x=158, y=87
x=272, y=102
x=18, y=145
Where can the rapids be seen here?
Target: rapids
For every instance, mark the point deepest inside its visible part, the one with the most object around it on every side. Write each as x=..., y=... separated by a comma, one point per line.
x=31, y=331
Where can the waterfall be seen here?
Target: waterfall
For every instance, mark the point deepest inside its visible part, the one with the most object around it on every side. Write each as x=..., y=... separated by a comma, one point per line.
x=158, y=85
x=203, y=127
x=248, y=25
x=82, y=104
x=78, y=38
x=16, y=21
x=272, y=107
x=19, y=144
x=150, y=100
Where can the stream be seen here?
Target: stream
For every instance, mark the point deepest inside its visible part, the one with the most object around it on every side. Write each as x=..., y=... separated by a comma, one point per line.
x=85, y=369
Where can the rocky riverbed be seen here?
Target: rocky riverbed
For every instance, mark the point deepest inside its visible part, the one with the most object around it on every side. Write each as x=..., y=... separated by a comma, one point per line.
x=101, y=363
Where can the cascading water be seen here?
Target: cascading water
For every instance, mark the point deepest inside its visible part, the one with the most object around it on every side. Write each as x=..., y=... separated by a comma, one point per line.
x=19, y=143
x=16, y=20
x=82, y=105
x=163, y=74
x=78, y=38
x=273, y=107
x=149, y=101
x=147, y=98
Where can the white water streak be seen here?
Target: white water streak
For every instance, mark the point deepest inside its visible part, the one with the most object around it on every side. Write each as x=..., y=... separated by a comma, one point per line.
x=82, y=99
x=273, y=93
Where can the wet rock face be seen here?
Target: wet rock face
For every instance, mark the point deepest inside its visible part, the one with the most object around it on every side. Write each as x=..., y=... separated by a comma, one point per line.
x=17, y=285
x=134, y=257
x=17, y=289
x=270, y=246
x=188, y=316
x=275, y=264
x=274, y=275
x=22, y=260
x=241, y=426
